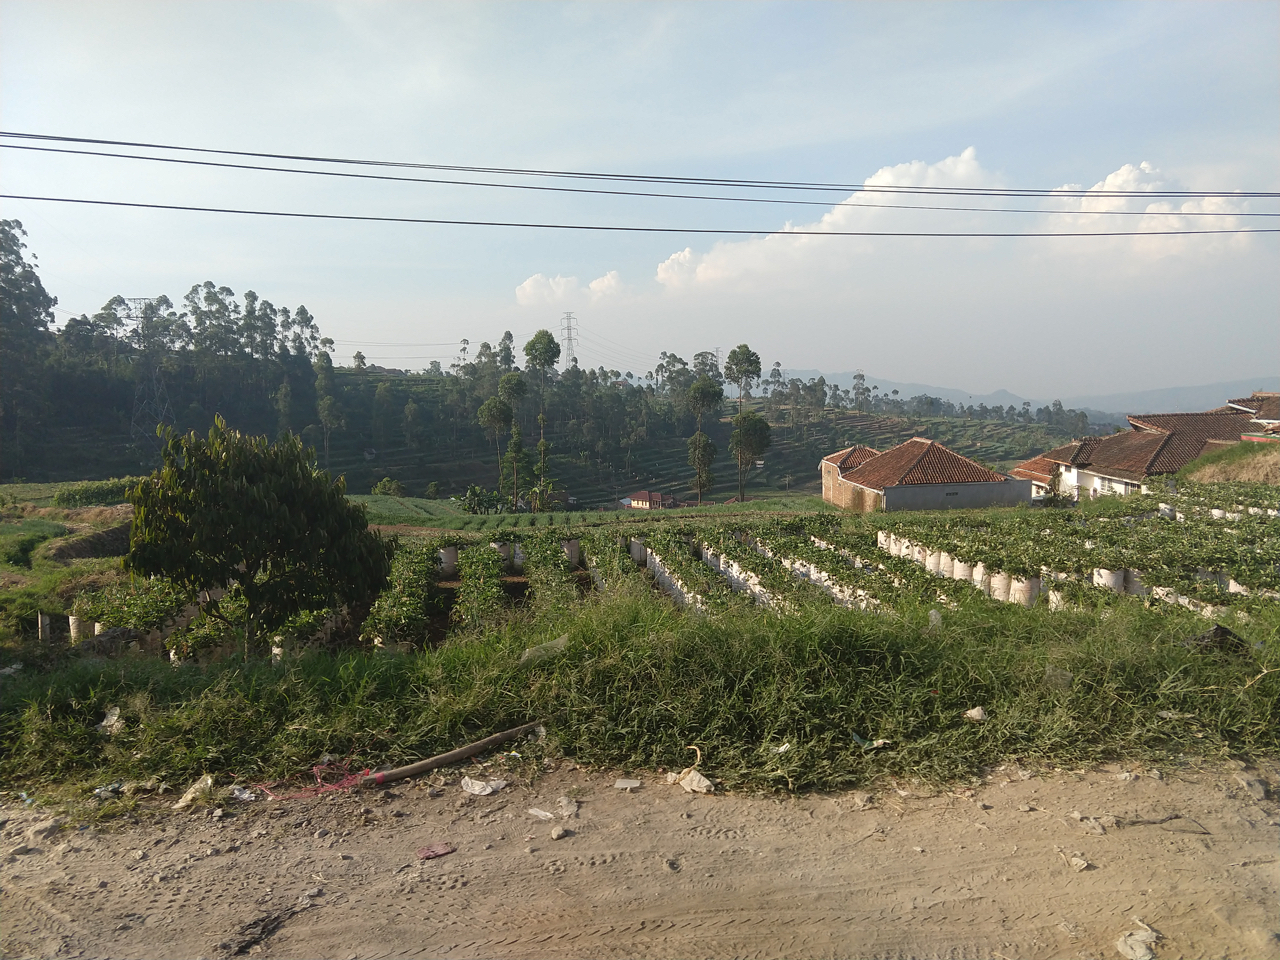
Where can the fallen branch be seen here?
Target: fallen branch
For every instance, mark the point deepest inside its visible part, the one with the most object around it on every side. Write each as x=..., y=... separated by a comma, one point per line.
x=444, y=759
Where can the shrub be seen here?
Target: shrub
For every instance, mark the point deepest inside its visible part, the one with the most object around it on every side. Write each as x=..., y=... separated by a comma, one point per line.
x=95, y=492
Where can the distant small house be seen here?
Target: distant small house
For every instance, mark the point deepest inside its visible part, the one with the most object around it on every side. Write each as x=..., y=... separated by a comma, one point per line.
x=920, y=474
x=1039, y=471
x=1159, y=444
x=644, y=500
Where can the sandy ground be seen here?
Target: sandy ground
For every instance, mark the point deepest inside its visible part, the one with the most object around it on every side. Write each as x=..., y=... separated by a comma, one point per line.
x=657, y=872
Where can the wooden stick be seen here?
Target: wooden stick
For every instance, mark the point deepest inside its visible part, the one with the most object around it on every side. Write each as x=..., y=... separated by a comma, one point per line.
x=444, y=759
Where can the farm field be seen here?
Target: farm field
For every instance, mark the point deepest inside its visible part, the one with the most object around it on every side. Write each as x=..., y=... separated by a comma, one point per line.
x=827, y=667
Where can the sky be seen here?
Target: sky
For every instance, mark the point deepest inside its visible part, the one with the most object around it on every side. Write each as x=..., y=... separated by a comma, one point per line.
x=1133, y=96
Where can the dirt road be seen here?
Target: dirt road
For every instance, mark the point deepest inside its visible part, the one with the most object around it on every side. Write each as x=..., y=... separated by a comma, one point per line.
x=657, y=872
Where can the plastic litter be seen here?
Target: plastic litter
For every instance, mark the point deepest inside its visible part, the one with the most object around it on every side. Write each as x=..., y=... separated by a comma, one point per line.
x=869, y=744
x=10, y=670
x=544, y=650
x=690, y=778
x=480, y=788
x=627, y=785
x=243, y=795
x=200, y=790
x=111, y=723
x=541, y=814
x=935, y=619
x=1137, y=945
x=1219, y=638
x=977, y=714
x=110, y=791
x=433, y=850
x=782, y=749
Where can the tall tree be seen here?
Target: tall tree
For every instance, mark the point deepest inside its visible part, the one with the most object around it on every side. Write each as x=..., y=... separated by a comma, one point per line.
x=542, y=352
x=750, y=438
x=702, y=455
x=742, y=367
x=25, y=313
x=511, y=390
x=495, y=416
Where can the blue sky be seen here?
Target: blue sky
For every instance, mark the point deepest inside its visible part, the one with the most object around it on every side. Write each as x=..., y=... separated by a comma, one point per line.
x=1175, y=95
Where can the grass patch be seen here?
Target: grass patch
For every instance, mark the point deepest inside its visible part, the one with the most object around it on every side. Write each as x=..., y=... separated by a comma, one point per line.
x=640, y=680
x=1242, y=462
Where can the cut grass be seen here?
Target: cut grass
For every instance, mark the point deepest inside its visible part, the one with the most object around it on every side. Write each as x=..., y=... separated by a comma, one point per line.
x=640, y=680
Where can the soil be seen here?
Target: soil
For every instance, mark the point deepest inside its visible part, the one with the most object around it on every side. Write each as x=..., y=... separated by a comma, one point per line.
x=656, y=872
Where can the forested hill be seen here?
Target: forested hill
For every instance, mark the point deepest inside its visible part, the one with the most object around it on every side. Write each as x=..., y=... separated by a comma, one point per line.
x=84, y=401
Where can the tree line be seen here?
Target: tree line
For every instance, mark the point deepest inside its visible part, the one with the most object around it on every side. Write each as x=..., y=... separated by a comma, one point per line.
x=85, y=399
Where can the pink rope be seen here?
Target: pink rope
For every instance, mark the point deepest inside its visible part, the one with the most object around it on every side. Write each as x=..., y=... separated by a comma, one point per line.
x=342, y=770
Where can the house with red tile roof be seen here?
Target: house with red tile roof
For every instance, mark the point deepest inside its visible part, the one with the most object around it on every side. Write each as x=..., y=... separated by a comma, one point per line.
x=1264, y=407
x=644, y=500
x=1158, y=444
x=1039, y=471
x=920, y=474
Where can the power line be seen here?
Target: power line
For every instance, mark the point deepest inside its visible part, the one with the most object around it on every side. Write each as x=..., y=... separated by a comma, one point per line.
x=789, y=201
x=613, y=228
x=653, y=178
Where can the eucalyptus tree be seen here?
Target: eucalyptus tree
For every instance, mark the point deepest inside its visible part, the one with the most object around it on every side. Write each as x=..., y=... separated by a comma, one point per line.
x=742, y=368
x=750, y=438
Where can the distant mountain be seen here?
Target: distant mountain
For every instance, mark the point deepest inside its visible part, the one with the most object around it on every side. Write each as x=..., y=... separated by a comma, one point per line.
x=1102, y=408
x=1175, y=399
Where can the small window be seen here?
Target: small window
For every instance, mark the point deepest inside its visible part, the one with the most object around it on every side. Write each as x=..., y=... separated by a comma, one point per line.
x=954, y=493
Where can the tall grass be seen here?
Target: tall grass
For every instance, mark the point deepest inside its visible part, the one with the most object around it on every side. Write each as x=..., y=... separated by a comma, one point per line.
x=773, y=700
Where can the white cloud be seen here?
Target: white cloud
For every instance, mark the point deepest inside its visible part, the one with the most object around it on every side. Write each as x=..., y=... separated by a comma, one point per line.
x=541, y=290
x=605, y=286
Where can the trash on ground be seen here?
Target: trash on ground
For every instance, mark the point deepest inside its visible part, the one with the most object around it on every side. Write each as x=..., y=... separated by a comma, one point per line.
x=1137, y=945
x=480, y=788
x=433, y=850
x=861, y=801
x=568, y=808
x=935, y=619
x=541, y=814
x=627, y=785
x=869, y=744
x=110, y=791
x=1126, y=775
x=1174, y=715
x=1219, y=638
x=783, y=748
x=544, y=650
x=977, y=713
x=200, y=790
x=690, y=778
x=243, y=795
x=111, y=723
x=10, y=670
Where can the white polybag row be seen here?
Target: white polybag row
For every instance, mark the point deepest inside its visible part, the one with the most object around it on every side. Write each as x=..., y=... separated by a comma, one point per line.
x=841, y=593
x=995, y=583
x=671, y=584
x=1025, y=590
x=739, y=579
x=512, y=554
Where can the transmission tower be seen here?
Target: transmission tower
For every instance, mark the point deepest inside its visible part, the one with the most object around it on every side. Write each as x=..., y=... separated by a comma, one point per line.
x=570, y=339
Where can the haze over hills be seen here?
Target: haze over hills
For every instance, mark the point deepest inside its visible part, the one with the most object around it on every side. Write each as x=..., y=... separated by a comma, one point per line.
x=1112, y=407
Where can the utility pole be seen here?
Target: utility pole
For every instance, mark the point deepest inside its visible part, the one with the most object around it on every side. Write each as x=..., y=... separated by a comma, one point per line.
x=569, y=338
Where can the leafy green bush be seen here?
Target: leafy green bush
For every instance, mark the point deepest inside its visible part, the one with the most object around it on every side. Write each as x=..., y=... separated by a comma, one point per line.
x=95, y=492
x=480, y=595
x=547, y=566
x=141, y=604
x=403, y=609
x=386, y=487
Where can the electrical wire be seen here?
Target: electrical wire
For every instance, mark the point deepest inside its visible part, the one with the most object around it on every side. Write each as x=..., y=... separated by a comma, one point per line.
x=614, y=228
x=654, y=178
x=789, y=201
